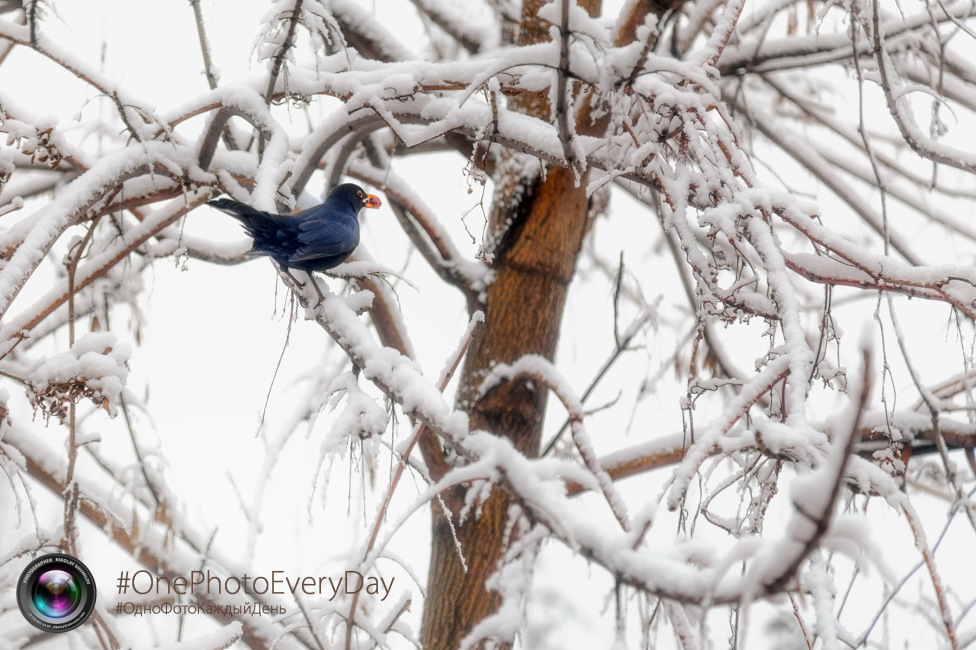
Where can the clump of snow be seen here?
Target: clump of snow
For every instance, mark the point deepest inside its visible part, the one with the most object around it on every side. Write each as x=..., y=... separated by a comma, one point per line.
x=96, y=367
x=361, y=415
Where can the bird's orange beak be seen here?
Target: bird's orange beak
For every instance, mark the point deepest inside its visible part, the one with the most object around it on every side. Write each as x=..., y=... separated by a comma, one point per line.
x=372, y=201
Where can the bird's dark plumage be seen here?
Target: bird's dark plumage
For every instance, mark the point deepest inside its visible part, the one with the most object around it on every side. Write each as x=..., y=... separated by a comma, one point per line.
x=316, y=239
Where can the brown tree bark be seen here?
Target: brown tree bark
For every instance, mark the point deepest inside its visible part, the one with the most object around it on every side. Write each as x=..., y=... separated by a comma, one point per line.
x=523, y=313
x=534, y=259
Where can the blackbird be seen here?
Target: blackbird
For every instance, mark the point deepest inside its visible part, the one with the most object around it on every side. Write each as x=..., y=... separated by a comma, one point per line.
x=316, y=239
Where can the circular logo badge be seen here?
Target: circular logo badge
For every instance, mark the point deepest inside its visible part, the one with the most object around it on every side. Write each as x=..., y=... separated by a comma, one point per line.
x=56, y=592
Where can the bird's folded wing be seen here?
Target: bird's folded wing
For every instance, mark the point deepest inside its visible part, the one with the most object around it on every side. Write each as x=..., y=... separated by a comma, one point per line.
x=319, y=239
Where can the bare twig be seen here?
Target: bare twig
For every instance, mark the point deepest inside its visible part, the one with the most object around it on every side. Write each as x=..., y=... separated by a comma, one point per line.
x=929, y=559
x=208, y=68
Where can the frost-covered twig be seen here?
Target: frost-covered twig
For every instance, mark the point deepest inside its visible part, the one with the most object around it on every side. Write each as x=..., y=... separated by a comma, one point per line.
x=208, y=68
x=814, y=501
x=719, y=38
x=900, y=112
x=561, y=109
x=294, y=12
x=95, y=266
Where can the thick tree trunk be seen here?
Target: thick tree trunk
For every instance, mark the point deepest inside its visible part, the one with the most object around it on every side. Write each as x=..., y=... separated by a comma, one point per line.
x=523, y=313
x=539, y=240
x=539, y=234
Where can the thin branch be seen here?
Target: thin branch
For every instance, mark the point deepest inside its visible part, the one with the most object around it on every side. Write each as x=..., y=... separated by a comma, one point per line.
x=938, y=153
x=452, y=25
x=719, y=38
x=279, y=59
x=928, y=558
x=208, y=67
x=622, y=345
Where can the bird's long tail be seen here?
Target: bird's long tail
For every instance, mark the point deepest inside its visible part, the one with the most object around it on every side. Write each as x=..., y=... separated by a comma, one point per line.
x=256, y=222
x=240, y=211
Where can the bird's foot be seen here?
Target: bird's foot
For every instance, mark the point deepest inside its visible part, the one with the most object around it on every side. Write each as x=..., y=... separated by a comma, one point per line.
x=301, y=285
x=317, y=289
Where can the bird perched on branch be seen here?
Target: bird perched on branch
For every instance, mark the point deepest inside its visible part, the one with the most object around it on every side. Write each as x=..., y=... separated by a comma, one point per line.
x=316, y=239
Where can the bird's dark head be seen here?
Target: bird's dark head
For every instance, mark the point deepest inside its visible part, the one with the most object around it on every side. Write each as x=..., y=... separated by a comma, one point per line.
x=354, y=195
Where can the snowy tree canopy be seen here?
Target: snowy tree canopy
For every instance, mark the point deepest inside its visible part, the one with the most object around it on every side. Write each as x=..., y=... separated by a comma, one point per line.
x=664, y=340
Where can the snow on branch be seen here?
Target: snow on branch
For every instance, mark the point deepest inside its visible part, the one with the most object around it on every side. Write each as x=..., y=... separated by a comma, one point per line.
x=131, y=527
x=815, y=495
x=96, y=367
x=83, y=194
x=541, y=369
x=692, y=107
x=538, y=485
